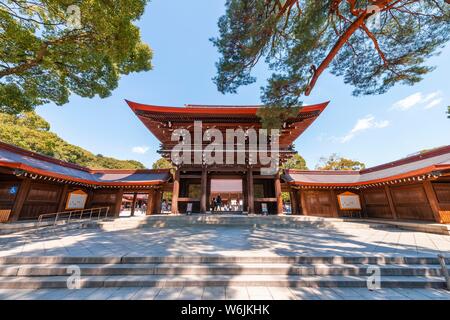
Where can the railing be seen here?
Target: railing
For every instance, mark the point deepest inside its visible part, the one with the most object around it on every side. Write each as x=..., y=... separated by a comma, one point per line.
x=444, y=270
x=74, y=216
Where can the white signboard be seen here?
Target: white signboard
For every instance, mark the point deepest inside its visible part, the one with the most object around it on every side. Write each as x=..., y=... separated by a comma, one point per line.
x=264, y=208
x=76, y=200
x=349, y=201
x=189, y=207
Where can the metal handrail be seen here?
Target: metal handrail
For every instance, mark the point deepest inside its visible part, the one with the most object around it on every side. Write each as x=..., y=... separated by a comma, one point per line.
x=74, y=215
x=444, y=270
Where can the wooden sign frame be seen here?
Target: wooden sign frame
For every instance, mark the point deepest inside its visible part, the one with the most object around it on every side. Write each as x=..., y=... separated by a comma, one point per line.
x=344, y=207
x=76, y=200
x=264, y=209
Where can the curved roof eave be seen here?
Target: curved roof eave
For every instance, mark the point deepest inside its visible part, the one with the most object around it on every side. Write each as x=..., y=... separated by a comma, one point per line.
x=218, y=109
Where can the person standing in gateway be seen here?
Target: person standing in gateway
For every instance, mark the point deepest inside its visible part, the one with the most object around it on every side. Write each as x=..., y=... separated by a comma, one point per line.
x=219, y=203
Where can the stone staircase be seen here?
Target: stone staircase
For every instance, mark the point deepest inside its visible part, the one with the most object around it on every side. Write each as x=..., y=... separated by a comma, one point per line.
x=181, y=221
x=251, y=221
x=224, y=271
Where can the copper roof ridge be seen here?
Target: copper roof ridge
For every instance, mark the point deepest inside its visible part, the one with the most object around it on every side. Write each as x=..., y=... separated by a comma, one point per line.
x=418, y=157
x=40, y=156
x=125, y=171
x=36, y=155
x=325, y=172
x=411, y=159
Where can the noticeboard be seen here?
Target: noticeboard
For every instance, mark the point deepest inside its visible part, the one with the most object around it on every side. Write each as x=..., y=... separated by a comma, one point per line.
x=264, y=208
x=349, y=201
x=76, y=200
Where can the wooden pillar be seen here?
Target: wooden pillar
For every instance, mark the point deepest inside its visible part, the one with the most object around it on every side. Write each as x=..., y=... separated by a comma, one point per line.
x=294, y=206
x=133, y=204
x=20, y=200
x=208, y=194
x=157, y=202
x=296, y=195
x=334, y=205
x=297, y=201
x=150, y=202
x=433, y=200
x=175, y=192
x=62, y=198
x=204, y=191
x=89, y=199
x=245, y=194
x=278, y=194
x=305, y=211
x=363, y=205
x=391, y=202
x=250, y=192
x=118, y=204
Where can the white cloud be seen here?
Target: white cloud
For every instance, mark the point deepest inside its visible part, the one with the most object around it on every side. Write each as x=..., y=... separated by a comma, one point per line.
x=432, y=96
x=364, y=124
x=347, y=138
x=408, y=102
x=433, y=103
x=140, y=149
x=418, y=98
x=369, y=122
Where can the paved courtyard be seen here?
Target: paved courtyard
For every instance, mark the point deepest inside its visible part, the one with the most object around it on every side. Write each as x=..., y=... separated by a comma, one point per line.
x=226, y=241
x=226, y=293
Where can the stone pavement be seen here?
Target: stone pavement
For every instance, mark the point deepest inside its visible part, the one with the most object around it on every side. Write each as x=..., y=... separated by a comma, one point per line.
x=226, y=241
x=225, y=293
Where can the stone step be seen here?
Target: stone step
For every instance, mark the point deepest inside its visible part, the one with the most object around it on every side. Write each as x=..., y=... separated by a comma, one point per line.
x=219, y=280
x=378, y=260
x=38, y=270
x=232, y=221
x=254, y=223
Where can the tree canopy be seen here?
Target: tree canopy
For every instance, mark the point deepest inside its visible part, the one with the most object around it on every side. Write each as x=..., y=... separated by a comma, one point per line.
x=30, y=131
x=372, y=44
x=335, y=162
x=296, y=162
x=162, y=163
x=50, y=49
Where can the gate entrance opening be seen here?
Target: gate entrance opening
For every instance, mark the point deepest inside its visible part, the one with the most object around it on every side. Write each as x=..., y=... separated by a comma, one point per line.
x=226, y=196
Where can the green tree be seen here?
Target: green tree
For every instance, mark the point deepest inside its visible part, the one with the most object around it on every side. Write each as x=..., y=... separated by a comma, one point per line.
x=162, y=163
x=372, y=44
x=335, y=162
x=448, y=112
x=31, y=132
x=296, y=162
x=49, y=51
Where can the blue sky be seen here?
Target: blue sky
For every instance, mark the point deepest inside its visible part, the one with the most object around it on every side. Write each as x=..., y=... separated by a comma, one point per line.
x=372, y=129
